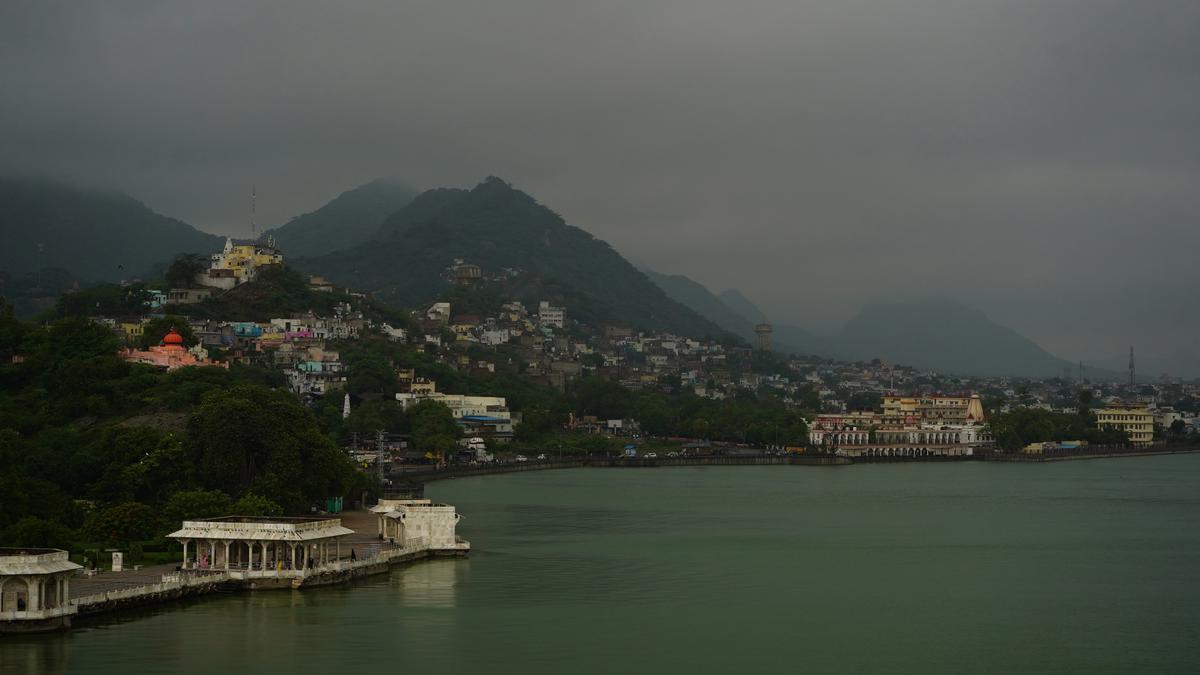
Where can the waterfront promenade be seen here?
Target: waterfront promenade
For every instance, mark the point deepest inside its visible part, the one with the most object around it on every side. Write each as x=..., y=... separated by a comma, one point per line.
x=362, y=554
x=429, y=473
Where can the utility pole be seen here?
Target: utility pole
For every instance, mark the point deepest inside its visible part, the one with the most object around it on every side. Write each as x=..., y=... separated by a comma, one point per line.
x=380, y=452
x=1131, y=370
x=253, y=204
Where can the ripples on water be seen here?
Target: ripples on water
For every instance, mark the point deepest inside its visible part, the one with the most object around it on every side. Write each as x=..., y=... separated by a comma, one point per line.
x=1081, y=566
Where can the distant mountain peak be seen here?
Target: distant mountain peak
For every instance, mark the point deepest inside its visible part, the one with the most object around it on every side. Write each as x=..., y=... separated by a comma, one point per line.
x=943, y=334
x=497, y=226
x=347, y=220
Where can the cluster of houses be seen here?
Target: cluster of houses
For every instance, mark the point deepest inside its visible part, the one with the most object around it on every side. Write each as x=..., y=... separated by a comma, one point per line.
x=542, y=343
x=297, y=345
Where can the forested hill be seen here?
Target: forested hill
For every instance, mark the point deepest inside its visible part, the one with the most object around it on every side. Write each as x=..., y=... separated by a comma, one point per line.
x=97, y=235
x=346, y=221
x=497, y=227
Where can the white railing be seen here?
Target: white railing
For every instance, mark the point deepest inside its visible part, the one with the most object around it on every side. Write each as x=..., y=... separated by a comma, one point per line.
x=176, y=581
x=170, y=582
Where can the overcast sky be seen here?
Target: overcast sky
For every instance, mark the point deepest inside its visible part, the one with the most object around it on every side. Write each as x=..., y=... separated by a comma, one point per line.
x=1037, y=160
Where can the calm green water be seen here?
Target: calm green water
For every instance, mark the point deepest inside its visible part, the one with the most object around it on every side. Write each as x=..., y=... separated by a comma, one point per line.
x=1085, y=567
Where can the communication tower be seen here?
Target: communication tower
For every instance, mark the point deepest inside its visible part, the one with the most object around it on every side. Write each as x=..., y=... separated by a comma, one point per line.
x=1131, y=370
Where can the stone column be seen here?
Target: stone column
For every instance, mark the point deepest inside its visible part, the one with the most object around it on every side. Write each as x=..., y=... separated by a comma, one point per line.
x=250, y=561
x=227, y=542
x=33, y=594
x=185, y=548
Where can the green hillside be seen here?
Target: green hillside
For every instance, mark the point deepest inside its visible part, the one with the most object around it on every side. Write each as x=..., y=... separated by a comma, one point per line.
x=97, y=235
x=497, y=227
x=346, y=221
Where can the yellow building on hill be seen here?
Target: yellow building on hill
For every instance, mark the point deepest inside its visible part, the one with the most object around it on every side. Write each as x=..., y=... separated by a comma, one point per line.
x=1137, y=421
x=239, y=262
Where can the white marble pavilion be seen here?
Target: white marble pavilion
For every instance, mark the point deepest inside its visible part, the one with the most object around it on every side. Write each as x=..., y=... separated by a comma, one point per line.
x=408, y=520
x=35, y=585
x=255, y=546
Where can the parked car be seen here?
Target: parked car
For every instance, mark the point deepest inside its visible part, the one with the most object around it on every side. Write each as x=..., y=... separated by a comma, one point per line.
x=651, y=455
x=521, y=458
x=672, y=454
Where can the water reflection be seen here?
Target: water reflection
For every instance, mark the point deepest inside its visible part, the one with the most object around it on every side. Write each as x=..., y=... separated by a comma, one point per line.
x=33, y=655
x=432, y=584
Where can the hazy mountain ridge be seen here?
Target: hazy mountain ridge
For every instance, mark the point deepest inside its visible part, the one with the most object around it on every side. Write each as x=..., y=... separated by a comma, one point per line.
x=742, y=306
x=944, y=335
x=495, y=226
x=936, y=334
x=345, y=221
x=691, y=293
x=97, y=235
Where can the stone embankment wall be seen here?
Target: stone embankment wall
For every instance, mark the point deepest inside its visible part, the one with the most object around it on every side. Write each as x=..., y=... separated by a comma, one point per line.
x=425, y=475
x=1086, y=454
x=167, y=590
x=179, y=586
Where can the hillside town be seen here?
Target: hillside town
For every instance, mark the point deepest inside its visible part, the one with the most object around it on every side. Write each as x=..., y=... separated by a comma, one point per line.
x=858, y=410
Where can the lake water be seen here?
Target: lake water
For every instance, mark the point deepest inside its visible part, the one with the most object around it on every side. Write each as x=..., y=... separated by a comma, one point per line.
x=1087, y=566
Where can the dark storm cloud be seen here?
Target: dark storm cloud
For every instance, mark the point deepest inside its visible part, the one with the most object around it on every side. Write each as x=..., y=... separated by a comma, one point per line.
x=1038, y=160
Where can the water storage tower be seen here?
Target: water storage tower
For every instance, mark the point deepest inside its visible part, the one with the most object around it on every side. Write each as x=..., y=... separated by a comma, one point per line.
x=466, y=274
x=763, y=331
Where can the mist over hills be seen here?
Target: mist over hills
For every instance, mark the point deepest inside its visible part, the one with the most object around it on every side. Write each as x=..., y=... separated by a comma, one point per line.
x=381, y=237
x=739, y=303
x=943, y=335
x=347, y=220
x=935, y=333
x=498, y=227
x=695, y=295
x=94, y=234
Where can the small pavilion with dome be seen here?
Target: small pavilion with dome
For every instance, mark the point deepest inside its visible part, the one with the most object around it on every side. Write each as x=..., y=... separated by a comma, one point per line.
x=171, y=354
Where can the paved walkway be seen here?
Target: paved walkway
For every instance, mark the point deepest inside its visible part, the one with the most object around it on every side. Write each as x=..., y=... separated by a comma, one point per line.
x=365, y=541
x=106, y=581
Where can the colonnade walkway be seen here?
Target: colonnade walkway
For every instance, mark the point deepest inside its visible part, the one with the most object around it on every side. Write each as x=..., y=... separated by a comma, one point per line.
x=364, y=542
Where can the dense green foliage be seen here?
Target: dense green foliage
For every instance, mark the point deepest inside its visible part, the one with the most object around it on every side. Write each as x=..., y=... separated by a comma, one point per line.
x=111, y=300
x=184, y=269
x=1022, y=426
x=93, y=449
x=668, y=410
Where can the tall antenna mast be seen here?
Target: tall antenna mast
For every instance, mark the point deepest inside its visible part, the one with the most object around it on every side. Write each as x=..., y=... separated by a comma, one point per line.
x=1131, y=371
x=253, y=200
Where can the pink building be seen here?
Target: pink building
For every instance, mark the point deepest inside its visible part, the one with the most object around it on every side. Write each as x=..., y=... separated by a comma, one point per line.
x=171, y=354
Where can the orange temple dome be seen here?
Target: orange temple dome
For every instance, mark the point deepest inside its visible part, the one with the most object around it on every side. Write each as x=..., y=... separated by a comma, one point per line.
x=172, y=338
